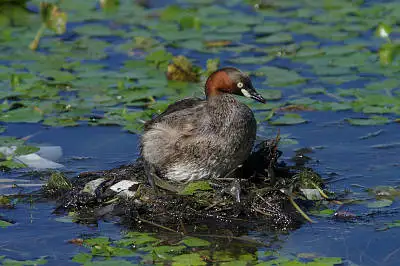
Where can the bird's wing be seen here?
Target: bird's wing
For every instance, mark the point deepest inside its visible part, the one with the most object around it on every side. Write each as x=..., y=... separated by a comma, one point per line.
x=178, y=112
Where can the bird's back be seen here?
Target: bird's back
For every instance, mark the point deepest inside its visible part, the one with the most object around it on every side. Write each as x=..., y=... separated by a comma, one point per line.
x=195, y=139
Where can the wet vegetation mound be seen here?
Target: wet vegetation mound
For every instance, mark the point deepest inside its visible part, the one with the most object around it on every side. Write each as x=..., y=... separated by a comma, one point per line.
x=261, y=195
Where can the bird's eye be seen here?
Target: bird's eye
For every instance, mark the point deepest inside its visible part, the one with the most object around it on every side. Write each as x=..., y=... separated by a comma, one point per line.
x=240, y=85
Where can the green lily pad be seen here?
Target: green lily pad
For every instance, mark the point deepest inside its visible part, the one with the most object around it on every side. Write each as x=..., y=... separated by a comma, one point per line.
x=373, y=120
x=195, y=242
x=97, y=30
x=251, y=60
x=22, y=115
x=9, y=262
x=276, y=38
x=82, y=258
x=188, y=259
x=60, y=122
x=141, y=238
x=60, y=76
x=314, y=91
x=380, y=203
x=269, y=28
x=288, y=119
x=110, y=263
x=4, y=224
x=97, y=241
x=25, y=149
x=323, y=213
x=393, y=224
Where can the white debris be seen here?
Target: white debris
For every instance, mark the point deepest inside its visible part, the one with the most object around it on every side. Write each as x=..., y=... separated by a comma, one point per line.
x=123, y=185
x=127, y=194
x=35, y=161
x=42, y=159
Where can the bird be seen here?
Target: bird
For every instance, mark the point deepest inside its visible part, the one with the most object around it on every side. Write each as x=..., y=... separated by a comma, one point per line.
x=197, y=139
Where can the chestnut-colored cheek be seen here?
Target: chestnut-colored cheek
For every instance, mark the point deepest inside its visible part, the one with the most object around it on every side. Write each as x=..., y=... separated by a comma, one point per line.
x=219, y=83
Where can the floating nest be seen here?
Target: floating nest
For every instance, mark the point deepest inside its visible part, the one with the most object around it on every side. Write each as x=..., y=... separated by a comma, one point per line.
x=261, y=195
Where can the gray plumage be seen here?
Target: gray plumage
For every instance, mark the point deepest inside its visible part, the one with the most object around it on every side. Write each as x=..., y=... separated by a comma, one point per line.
x=198, y=139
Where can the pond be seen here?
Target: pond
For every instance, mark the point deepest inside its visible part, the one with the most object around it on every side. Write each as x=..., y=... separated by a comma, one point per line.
x=328, y=73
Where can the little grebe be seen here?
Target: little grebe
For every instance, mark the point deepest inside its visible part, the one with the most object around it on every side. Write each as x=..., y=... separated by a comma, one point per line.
x=196, y=139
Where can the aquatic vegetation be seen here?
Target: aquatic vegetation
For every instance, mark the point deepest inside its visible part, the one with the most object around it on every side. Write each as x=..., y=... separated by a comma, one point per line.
x=6, y=261
x=70, y=89
x=105, y=63
x=148, y=249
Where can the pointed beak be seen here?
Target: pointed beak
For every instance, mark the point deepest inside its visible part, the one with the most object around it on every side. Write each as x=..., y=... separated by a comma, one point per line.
x=252, y=93
x=256, y=96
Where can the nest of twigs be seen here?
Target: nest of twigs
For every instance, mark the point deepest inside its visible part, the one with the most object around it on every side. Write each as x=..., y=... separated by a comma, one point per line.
x=254, y=197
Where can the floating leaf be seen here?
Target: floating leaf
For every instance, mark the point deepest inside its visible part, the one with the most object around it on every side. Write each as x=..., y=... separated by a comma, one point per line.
x=22, y=150
x=288, y=119
x=4, y=224
x=323, y=213
x=221, y=43
x=188, y=259
x=272, y=94
x=393, y=224
x=276, y=38
x=60, y=76
x=60, y=122
x=97, y=241
x=314, y=91
x=279, y=76
x=9, y=262
x=268, y=28
x=110, y=263
x=159, y=58
x=173, y=12
x=109, y=5
x=188, y=22
x=373, y=120
x=141, y=238
x=380, y=203
x=195, y=242
x=96, y=30
x=251, y=60
x=82, y=258
x=22, y=115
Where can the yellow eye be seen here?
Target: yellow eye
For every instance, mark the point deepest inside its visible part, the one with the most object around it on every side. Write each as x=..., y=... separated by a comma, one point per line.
x=240, y=85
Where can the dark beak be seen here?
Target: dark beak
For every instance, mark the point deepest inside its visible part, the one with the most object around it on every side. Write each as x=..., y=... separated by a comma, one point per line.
x=255, y=95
